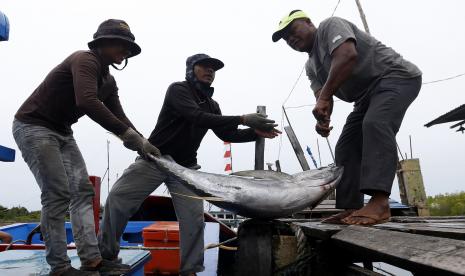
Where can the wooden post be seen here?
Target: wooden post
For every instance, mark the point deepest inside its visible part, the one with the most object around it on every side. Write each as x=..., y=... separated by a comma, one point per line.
x=254, y=255
x=260, y=145
x=297, y=148
x=411, y=187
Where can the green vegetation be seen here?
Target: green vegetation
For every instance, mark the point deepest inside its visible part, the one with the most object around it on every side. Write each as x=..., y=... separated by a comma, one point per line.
x=21, y=214
x=18, y=214
x=447, y=204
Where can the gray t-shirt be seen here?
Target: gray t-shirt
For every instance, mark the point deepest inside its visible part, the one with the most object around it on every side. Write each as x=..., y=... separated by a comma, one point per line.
x=375, y=60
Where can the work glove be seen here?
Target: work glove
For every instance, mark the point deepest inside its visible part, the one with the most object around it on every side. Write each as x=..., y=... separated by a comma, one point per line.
x=258, y=121
x=134, y=141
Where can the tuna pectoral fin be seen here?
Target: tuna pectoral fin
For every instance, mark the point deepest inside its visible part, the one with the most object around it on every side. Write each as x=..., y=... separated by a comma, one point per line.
x=262, y=174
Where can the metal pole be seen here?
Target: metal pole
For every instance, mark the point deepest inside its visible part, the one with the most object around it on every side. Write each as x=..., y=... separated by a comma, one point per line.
x=400, y=152
x=330, y=149
x=287, y=118
x=297, y=148
x=411, y=152
x=108, y=167
x=362, y=16
x=260, y=145
x=278, y=166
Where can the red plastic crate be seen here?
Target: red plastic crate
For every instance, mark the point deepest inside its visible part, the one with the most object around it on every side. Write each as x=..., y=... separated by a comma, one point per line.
x=162, y=234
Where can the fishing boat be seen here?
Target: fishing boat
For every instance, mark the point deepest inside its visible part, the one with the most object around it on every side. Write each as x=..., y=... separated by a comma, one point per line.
x=150, y=242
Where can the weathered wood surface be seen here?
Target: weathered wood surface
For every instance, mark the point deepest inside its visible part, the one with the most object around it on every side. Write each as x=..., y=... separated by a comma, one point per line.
x=260, y=145
x=318, y=230
x=446, y=227
x=325, y=208
x=417, y=253
x=254, y=255
x=428, y=219
x=451, y=230
x=421, y=245
x=411, y=187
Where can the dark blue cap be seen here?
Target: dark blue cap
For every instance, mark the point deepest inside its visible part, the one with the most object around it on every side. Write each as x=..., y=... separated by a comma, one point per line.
x=215, y=64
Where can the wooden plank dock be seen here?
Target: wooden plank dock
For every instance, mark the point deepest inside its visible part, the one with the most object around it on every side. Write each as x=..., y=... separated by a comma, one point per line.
x=421, y=245
x=328, y=207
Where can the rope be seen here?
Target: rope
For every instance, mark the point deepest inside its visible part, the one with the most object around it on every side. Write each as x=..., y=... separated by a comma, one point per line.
x=301, y=266
x=148, y=248
x=280, y=136
x=293, y=87
x=445, y=79
x=208, y=198
x=213, y=245
x=335, y=8
x=13, y=242
x=220, y=245
x=229, y=248
x=283, y=110
x=306, y=105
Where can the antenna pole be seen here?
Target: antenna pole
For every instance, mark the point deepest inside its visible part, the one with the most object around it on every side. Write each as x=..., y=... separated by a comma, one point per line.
x=108, y=167
x=362, y=16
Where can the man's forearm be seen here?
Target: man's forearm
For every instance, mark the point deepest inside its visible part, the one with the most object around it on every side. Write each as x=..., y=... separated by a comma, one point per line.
x=343, y=62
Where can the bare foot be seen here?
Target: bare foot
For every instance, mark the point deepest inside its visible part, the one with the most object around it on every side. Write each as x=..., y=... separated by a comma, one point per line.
x=337, y=218
x=376, y=211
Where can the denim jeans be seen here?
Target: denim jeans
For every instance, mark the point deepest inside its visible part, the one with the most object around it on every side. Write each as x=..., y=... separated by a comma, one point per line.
x=138, y=181
x=60, y=172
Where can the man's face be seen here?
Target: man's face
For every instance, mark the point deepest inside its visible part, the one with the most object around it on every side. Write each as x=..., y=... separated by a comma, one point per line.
x=300, y=35
x=116, y=51
x=204, y=73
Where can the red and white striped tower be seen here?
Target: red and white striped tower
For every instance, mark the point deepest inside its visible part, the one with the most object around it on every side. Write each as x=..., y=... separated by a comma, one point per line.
x=227, y=158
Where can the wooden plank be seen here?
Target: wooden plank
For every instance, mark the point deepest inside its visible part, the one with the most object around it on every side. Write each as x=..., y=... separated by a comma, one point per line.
x=289, y=220
x=411, y=187
x=354, y=270
x=425, y=255
x=297, y=148
x=260, y=145
x=254, y=255
x=451, y=230
x=428, y=219
x=318, y=230
x=319, y=210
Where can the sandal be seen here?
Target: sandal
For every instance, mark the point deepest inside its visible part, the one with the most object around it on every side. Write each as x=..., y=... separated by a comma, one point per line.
x=337, y=218
x=373, y=219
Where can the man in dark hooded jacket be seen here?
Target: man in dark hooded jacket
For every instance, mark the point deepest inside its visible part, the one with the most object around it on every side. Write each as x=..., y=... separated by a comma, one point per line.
x=188, y=112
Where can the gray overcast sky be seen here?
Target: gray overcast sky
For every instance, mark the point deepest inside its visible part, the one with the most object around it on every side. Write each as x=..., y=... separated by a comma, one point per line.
x=257, y=72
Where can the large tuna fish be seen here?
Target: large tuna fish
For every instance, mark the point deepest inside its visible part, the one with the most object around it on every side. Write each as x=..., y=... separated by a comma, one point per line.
x=258, y=194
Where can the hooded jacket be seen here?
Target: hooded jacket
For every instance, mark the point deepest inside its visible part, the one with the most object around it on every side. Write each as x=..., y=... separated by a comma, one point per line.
x=186, y=116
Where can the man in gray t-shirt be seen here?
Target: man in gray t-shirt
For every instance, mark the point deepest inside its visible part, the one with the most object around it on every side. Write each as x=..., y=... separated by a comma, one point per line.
x=355, y=67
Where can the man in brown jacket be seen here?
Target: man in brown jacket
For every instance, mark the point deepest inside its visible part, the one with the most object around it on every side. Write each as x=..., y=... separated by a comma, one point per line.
x=80, y=85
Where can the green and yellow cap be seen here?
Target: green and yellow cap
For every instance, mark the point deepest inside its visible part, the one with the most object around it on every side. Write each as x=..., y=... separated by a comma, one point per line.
x=285, y=22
